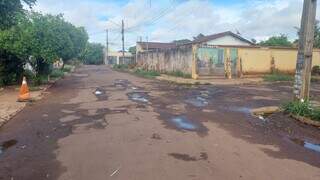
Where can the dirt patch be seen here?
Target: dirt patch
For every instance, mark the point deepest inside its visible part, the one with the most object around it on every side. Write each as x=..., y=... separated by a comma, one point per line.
x=156, y=136
x=187, y=157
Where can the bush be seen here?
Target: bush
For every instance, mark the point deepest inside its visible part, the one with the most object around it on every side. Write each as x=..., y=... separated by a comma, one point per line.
x=304, y=109
x=179, y=74
x=11, y=68
x=120, y=66
x=29, y=75
x=278, y=77
x=67, y=68
x=147, y=74
x=57, y=73
x=315, y=71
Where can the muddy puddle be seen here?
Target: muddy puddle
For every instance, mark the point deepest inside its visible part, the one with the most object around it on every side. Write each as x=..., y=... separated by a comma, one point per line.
x=122, y=84
x=182, y=122
x=187, y=157
x=197, y=101
x=100, y=94
x=141, y=97
x=306, y=144
x=6, y=145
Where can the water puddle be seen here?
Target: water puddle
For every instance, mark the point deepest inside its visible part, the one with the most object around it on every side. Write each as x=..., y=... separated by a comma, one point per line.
x=306, y=144
x=6, y=145
x=182, y=122
x=138, y=97
x=121, y=83
x=100, y=94
x=197, y=101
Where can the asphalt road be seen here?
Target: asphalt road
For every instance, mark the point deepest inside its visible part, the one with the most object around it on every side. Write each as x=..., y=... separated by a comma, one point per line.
x=99, y=124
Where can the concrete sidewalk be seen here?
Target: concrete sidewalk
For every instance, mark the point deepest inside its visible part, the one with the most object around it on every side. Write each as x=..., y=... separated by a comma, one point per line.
x=9, y=106
x=212, y=81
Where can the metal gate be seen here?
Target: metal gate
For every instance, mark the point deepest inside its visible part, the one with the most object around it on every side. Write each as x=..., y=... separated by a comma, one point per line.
x=210, y=61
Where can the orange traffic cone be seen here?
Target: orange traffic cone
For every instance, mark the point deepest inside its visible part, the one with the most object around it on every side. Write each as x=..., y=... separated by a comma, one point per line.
x=24, y=94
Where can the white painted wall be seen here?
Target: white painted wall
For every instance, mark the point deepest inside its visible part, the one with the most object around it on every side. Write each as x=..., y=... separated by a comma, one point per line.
x=228, y=40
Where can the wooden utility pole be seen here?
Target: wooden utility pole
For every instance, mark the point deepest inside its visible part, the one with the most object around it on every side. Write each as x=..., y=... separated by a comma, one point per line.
x=305, y=49
x=122, y=32
x=147, y=44
x=107, y=46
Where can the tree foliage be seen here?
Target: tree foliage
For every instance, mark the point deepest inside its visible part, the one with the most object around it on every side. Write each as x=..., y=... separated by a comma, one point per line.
x=93, y=54
x=281, y=40
x=40, y=40
x=132, y=50
x=316, y=35
x=10, y=10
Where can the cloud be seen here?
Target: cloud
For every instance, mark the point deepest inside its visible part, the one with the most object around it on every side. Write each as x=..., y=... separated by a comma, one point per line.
x=168, y=20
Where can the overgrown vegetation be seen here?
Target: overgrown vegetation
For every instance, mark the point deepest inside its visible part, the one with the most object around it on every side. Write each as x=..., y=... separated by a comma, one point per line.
x=120, y=67
x=316, y=71
x=302, y=108
x=278, y=77
x=146, y=74
x=93, y=54
x=179, y=74
x=35, y=39
x=281, y=40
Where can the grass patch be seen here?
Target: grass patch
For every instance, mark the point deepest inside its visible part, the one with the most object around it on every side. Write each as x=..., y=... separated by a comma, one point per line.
x=146, y=74
x=57, y=73
x=179, y=74
x=304, y=109
x=278, y=77
x=67, y=68
x=120, y=67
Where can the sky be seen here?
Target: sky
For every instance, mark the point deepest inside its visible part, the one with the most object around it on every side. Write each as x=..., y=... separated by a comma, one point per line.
x=168, y=20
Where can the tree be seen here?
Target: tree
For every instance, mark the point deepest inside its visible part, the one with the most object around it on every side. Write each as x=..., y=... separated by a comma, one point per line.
x=132, y=50
x=281, y=40
x=316, y=35
x=199, y=36
x=42, y=39
x=254, y=41
x=93, y=54
x=10, y=10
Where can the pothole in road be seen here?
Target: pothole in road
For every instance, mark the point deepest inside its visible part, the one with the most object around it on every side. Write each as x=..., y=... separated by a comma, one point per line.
x=182, y=122
x=6, y=145
x=122, y=84
x=141, y=97
x=197, y=101
x=187, y=157
x=306, y=144
x=100, y=94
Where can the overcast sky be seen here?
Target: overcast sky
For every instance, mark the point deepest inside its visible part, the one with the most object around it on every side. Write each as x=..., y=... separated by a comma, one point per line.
x=167, y=20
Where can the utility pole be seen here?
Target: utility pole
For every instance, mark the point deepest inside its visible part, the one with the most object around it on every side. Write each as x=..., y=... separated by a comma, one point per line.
x=107, y=50
x=305, y=49
x=122, y=32
x=147, y=44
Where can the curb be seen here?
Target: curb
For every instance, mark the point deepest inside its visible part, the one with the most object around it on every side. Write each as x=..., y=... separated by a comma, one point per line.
x=305, y=120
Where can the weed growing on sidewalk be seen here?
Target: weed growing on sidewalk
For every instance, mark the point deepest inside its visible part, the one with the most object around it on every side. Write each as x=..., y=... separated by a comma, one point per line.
x=302, y=108
x=179, y=74
x=146, y=74
x=278, y=77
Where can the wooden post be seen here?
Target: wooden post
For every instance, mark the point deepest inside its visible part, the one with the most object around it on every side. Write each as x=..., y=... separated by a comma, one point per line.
x=305, y=49
x=194, y=68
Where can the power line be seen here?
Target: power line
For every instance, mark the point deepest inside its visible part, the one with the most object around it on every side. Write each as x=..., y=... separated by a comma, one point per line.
x=154, y=19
